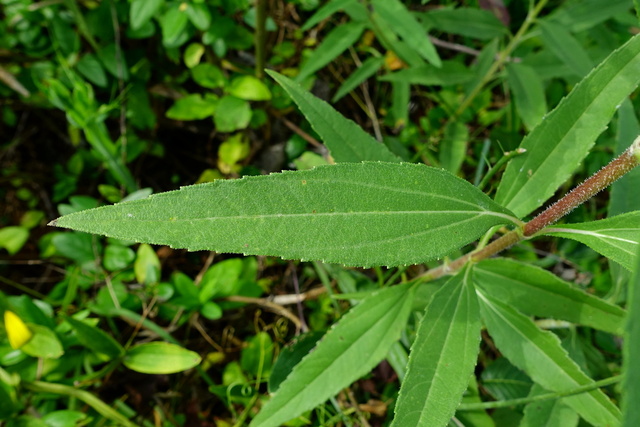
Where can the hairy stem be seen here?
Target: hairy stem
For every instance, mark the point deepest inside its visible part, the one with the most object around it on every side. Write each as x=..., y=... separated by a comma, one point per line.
x=583, y=192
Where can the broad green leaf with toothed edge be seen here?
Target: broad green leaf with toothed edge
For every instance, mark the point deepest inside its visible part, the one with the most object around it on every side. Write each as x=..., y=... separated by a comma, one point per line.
x=361, y=214
x=617, y=237
x=540, y=354
x=442, y=356
x=346, y=141
x=351, y=348
x=537, y=292
x=559, y=143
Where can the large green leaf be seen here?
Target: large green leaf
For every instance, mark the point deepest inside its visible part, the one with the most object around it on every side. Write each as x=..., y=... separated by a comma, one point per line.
x=631, y=369
x=404, y=24
x=537, y=292
x=560, y=142
x=442, y=356
x=354, y=346
x=345, y=139
x=353, y=213
x=337, y=41
x=540, y=354
x=616, y=238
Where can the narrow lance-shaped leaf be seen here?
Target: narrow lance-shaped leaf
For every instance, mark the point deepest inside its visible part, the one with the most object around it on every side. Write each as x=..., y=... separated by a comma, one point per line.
x=631, y=369
x=354, y=346
x=345, y=139
x=537, y=292
x=353, y=213
x=540, y=354
x=442, y=357
x=404, y=23
x=616, y=238
x=337, y=41
x=560, y=142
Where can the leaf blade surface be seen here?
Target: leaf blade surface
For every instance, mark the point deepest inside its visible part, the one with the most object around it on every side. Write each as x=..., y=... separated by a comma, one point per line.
x=351, y=348
x=442, y=357
x=617, y=238
x=352, y=213
x=559, y=143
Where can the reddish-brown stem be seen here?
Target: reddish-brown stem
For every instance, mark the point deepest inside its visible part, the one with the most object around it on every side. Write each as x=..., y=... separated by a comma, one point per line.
x=596, y=183
x=583, y=192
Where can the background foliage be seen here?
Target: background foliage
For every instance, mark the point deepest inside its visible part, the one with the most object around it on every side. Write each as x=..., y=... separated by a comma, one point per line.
x=107, y=101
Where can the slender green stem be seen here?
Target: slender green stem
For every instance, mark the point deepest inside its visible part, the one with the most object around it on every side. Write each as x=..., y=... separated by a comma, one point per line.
x=539, y=398
x=88, y=398
x=502, y=58
x=260, y=37
x=504, y=159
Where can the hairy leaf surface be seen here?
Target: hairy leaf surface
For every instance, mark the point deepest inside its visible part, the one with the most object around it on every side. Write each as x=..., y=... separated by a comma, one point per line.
x=537, y=292
x=360, y=214
x=540, y=354
x=353, y=346
x=346, y=141
x=617, y=237
x=442, y=357
x=559, y=143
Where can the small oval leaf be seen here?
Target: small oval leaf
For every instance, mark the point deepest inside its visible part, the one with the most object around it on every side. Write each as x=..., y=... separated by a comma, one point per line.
x=160, y=358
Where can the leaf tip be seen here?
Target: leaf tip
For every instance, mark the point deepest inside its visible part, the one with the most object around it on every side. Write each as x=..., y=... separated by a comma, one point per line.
x=53, y=223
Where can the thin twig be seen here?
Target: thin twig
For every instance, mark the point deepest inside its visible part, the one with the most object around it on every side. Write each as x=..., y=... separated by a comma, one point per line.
x=269, y=305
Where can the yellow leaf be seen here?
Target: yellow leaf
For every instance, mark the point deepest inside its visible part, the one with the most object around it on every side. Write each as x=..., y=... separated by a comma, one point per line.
x=17, y=331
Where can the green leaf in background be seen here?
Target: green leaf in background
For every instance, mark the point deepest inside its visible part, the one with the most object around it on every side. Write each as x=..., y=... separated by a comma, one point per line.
x=351, y=348
x=142, y=11
x=199, y=15
x=249, y=88
x=364, y=71
x=92, y=70
x=325, y=12
x=631, y=352
x=404, y=23
x=503, y=381
x=44, y=343
x=352, y=213
x=548, y=413
x=569, y=50
x=540, y=354
x=442, y=356
x=173, y=24
x=617, y=237
x=64, y=418
x=449, y=73
x=559, y=143
x=160, y=358
x=477, y=23
x=585, y=14
x=290, y=356
x=528, y=92
x=453, y=147
x=537, y=292
x=147, y=265
x=337, y=41
x=13, y=238
x=346, y=141
x=113, y=62
x=193, y=107
x=95, y=339
x=192, y=54
x=208, y=75
x=232, y=114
